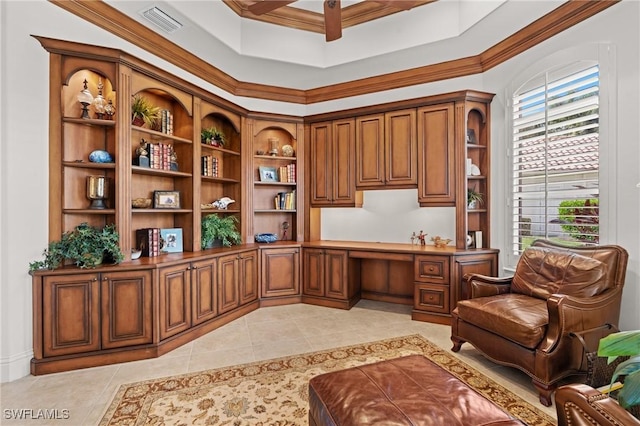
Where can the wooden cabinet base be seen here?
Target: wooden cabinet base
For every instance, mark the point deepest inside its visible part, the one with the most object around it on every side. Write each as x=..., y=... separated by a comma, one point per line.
x=444, y=319
x=135, y=353
x=331, y=303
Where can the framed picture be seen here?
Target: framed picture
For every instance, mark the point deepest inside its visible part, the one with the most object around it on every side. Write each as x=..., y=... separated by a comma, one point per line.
x=166, y=199
x=171, y=240
x=268, y=174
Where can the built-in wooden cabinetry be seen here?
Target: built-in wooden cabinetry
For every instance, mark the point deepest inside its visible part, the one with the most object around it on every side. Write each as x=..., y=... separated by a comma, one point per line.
x=280, y=275
x=332, y=164
x=326, y=278
x=386, y=150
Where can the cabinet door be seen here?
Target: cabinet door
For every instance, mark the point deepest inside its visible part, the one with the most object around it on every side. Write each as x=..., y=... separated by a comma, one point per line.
x=174, y=300
x=344, y=162
x=321, y=164
x=313, y=272
x=370, y=151
x=436, y=165
x=400, y=148
x=228, y=279
x=70, y=314
x=280, y=272
x=126, y=308
x=485, y=264
x=336, y=278
x=248, y=279
x=204, y=304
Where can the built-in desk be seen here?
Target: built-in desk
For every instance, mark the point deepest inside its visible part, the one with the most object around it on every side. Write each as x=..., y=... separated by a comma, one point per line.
x=339, y=273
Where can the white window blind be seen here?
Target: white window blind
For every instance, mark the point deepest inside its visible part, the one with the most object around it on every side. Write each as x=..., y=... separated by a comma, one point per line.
x=555, y=159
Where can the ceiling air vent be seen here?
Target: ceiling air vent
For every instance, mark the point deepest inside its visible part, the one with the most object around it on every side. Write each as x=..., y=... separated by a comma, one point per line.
x=161, y=19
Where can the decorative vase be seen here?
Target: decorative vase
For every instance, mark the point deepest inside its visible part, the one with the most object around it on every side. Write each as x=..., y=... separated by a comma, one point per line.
x=137, y=121
x=213, y=243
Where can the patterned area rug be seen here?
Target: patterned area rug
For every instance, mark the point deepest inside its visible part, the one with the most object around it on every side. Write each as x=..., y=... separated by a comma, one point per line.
x=275, y=392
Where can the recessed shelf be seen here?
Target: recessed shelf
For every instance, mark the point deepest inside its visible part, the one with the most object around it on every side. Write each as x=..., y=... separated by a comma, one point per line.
x=159, y=172
x=274, y=211
x=88, y=165
x=275, y=157
x=161, y=211
x=209, y=211
x=475, y=146
x=275, y=183
x=219, y=149
x=89, y=211
x=219, y=179
x=89, y=121
x=155, y=135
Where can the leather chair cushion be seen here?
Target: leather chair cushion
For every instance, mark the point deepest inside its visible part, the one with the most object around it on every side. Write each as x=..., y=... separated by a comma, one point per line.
x=517, y=317
x=542, y=272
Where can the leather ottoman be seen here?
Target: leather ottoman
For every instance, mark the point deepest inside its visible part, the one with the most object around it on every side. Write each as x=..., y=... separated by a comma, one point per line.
x=404, y=391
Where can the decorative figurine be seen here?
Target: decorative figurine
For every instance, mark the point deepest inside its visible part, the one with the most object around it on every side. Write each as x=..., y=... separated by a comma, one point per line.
x=142, y=154
x=421, y=237
x=222, y=203
x=440, y=242
x=173, y=160
x=413, y=237
x=285, y=226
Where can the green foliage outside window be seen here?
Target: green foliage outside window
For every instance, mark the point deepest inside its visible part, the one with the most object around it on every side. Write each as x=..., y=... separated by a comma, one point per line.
x=580, y=219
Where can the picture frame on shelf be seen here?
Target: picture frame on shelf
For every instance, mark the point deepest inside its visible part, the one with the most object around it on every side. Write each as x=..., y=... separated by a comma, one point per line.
x=471, y=137
x=171, y=240
x=268, y=174
x=166, y=199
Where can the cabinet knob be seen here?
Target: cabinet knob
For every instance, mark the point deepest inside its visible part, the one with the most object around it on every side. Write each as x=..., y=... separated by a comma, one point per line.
x=431, y=269
x=105, y=278
x=95, y=279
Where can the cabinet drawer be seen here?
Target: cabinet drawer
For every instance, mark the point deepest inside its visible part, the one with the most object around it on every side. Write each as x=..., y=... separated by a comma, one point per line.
x=431, y=298
x=432, y=269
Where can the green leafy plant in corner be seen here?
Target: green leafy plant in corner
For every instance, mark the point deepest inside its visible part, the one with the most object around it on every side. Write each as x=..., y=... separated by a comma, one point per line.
x=87, y=246
x=624, y=343
x=210, y=134
x=474, y=196
x=215, y=227
x=143, y=109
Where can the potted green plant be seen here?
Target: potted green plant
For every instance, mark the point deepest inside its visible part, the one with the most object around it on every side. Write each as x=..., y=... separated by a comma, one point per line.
x=143, y=111
x=219, y=231
x=624, y=343
x=213, y=136
x=87, y=246
x=474, y=198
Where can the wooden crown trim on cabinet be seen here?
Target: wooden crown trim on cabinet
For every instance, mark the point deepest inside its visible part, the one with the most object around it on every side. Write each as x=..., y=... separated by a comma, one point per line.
x=108, y=18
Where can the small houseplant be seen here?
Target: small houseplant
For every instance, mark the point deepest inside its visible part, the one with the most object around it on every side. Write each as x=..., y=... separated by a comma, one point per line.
x=624, y=343
x=87, y=246
x=474, y=198
x=213, y=136
x=219, y=230
x=143, y=111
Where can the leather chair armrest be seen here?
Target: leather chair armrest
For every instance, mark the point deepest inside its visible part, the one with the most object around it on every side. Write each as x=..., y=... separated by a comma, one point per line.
x=579, y=404
x=476, y=285
x=569, y=314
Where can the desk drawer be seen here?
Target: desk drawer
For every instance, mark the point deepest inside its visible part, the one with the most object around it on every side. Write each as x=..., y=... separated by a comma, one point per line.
x=431, y=298
x=432, y=269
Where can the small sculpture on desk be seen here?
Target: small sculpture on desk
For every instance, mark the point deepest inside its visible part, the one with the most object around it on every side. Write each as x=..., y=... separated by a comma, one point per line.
x=440, y=242
x=222, y=203
x=421, y=237
x=142, y=154
x=413, y=238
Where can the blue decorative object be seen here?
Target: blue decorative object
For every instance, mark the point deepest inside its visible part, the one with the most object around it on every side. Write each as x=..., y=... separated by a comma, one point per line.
x=100, y=156
x=266, y=238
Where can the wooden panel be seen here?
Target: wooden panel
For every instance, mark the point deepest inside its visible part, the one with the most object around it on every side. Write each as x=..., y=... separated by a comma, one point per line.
x=126, y=308
x=344, y=162
x=313, y=272
x=174, y=300
x=321, y=164
x=433, y=269
x=204, y=301
x=336, y=279
x=436, y=165
x=401, y=148
x=375, y=275
x=370, y=151
x=228, y=278
x=431, y=298
x=248, y=278
x=280, y=272
x=485, y=264
x=70, y=314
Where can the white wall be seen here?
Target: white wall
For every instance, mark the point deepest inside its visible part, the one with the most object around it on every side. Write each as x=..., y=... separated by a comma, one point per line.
x=24, y=134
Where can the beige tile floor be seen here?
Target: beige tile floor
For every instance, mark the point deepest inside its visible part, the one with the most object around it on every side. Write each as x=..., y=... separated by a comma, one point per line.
x=263, y=334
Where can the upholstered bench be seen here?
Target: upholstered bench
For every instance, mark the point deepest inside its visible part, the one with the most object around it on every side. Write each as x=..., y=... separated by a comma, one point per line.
x=404, y=391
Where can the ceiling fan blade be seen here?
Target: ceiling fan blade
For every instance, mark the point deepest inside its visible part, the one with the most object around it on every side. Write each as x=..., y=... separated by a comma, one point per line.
x=266, y=6
x=398, y=4
x=332, y=20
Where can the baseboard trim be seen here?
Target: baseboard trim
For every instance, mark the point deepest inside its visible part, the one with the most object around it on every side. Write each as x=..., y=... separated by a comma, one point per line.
x=14, y=367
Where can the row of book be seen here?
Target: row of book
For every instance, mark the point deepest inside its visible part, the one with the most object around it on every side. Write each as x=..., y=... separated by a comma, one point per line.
x=158, y=156
x=148, y=241
x=166, y=122
x=209, y=165
x=287, y=173
x=285, y=200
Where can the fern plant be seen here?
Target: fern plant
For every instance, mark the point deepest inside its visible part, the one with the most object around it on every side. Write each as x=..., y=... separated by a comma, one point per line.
x=223, y=228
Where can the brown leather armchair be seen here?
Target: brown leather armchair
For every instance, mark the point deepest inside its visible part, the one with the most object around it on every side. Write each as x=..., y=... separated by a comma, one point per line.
x=579, y=404
x=529, y=321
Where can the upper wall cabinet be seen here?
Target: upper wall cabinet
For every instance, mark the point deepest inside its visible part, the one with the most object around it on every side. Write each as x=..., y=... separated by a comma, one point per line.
x=332, y=164
x=386, y=150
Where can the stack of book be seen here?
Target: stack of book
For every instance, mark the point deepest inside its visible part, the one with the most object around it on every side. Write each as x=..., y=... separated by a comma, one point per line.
x=160, y=156
x=148, y=241
x=209, y=165
x=285, y=200
x=166, y=122
x=287, y=173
